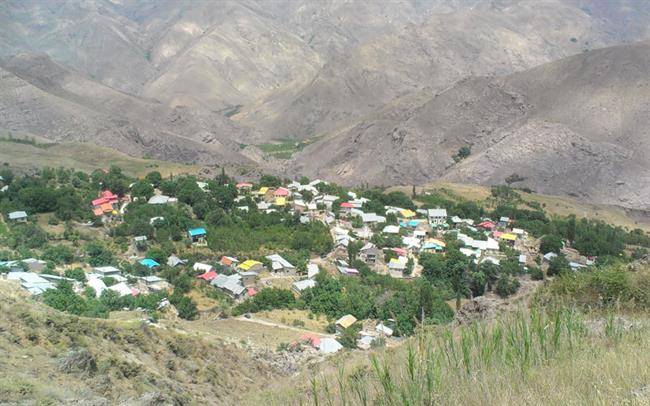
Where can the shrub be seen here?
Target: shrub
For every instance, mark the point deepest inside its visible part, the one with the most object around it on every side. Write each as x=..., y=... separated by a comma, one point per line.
x=76, y=273
x=536, y=273
x=506, y=285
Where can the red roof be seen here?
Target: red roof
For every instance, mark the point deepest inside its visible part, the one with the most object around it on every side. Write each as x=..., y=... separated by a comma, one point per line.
x=251, y=292
x=208, y=276
x=347, y=205
x=313, y=339
x=105, y=197
x=281, y=192
x=487, y=225
x=109, y=195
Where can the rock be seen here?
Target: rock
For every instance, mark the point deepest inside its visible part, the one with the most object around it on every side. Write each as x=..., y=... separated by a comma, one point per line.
x=480, y=308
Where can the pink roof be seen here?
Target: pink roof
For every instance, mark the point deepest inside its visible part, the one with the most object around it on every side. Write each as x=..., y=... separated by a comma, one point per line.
x=243, y=184
x=281, y=192
x=97, y=211
x=487, y=224
x=108, y=194
x=100, y=201
x=497, y=234
x=208, y=276
x=251, y=292
x=313, y=339
x=399, y=251
x=347, y=205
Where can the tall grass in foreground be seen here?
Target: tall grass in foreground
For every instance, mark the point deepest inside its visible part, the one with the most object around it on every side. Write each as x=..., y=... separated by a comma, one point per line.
x=479, y=364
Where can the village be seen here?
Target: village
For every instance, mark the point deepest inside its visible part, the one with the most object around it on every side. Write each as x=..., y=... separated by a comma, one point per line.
x=364, y=235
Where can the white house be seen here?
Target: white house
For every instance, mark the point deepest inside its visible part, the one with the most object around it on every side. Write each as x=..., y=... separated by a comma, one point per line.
x=437, y=217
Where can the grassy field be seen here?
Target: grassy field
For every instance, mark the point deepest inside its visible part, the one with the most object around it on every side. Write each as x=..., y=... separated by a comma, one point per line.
x=557, y=358
x=283, y=149
x=84, y=157
x=316, y=323
x=555, y=205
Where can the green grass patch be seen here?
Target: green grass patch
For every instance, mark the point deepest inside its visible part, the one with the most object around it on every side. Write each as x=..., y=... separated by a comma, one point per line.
x=283, y=149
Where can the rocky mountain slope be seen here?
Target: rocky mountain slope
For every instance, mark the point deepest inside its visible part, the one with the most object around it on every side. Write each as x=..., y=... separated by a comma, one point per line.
x=491, y=38
x=390, y=90
x=577, y=126
x=44, y=98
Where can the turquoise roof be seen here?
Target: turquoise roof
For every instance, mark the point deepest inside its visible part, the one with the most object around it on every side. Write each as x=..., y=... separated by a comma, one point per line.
x=193, y=232
x=149, y=263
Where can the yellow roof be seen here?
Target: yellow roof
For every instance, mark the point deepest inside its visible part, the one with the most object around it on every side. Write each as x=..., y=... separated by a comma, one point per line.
x=437, y=242
x=508, y=236
x=248, y=264
x=280, y=201
x=346, y=321
x=406, y=213
x=263, y=190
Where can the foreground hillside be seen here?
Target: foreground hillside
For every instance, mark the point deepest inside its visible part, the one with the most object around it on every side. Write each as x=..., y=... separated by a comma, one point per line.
x=583, y=341
x=572, y=127
x=49, y=357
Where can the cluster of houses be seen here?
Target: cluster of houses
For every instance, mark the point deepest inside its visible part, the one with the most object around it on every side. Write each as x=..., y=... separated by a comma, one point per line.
x=29, y=273
x=366, y=337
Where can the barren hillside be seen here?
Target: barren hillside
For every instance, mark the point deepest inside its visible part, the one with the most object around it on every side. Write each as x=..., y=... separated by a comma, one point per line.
x=576, y=126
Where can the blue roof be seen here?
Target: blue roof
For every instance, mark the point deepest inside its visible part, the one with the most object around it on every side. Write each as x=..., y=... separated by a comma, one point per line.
x=429, y=246
x=196, y=231
x=149, y=263
x=410, y=223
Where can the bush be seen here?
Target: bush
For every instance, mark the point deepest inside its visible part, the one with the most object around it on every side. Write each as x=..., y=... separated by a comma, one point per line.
x=348, y=338
x=506, y=285
x=185, y=306
x=76, y=273
x=558, y=266
x=536, y=274
x=298, y=323
x=59, y=254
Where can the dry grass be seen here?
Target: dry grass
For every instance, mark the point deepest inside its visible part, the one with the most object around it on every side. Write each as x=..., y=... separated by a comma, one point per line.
x=241, y=332
x=316, y=323
x=129, y=359
x=84, y=157
x=554, y=205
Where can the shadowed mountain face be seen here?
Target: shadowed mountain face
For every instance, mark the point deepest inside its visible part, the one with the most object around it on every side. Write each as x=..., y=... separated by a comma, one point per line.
x=578, y=126
x=391, y=90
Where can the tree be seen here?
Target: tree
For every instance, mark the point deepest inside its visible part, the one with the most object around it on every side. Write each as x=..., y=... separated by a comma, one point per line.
x=348, y=338
x=59, y=254
x=558, y=266
x=185, y=306
x=506, y=285
x=76, y=273
x=353, y=250
x=463, y=152
x=153, y=178
x=551, y=243
x=409, y=267
x=98, y=254
x=571, y=228
x=142, y=189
